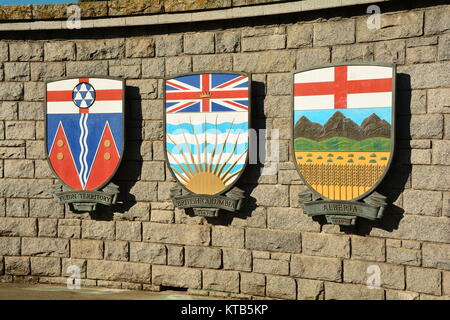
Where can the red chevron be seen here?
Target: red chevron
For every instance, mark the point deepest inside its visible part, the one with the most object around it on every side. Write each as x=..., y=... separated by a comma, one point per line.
x=64, y=168
x=103, y=168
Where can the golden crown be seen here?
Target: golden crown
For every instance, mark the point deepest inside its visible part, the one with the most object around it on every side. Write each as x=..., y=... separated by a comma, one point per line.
x=205, y=94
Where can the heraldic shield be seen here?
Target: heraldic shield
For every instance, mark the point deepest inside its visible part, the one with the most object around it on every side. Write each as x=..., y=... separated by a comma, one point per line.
x=85, y=139
x=343, y=136
x=206, y=139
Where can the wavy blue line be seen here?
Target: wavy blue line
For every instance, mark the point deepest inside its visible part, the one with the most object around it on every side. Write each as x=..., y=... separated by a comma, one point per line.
x=223, y=127
x=193, y=148
x=185, y=166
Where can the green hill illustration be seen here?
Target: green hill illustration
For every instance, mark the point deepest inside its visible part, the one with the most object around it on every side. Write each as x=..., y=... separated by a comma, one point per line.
x=340, y=133
x=343, y=144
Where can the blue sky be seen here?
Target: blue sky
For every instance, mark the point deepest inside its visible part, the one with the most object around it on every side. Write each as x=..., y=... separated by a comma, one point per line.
x=356, y=114
x=17, y=2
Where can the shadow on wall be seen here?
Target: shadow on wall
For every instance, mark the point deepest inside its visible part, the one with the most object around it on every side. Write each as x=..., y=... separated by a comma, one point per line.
x=130, y=168
x=398, y=176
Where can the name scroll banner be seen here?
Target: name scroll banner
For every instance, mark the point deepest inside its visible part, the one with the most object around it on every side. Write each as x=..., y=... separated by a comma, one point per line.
x=207, y=205
x=342, y=208
x=90, y=196
x=343, y=212
x=86, y=200
x=196, y=201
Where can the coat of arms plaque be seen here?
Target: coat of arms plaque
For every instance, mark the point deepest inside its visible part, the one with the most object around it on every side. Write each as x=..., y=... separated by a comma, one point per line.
x=343, y=138
x=85, y=139
x=206, y=139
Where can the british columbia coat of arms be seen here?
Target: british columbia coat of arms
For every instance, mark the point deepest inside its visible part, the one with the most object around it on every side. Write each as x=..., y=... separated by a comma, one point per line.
x=206, y=139
x=85, y=139
x=343, y=138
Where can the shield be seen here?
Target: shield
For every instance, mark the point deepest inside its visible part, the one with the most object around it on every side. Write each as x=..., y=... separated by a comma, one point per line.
x=343, y=128
x=84, y=130
x=206, y=125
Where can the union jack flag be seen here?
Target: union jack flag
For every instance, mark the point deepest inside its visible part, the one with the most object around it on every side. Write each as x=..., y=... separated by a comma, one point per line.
x=207, y=92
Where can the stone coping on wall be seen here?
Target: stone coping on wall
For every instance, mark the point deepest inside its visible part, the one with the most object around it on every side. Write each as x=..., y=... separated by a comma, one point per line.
x=121, y=13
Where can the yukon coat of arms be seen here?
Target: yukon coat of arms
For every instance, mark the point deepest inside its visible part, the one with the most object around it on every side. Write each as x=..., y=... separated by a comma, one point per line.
x=85, y=139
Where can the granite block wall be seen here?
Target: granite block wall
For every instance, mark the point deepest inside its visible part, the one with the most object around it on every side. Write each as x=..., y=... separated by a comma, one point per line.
x=270, y=249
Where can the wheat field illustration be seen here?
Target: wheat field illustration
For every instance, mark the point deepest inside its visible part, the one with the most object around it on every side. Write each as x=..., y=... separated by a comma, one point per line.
x=207, y=165
x=342, y=175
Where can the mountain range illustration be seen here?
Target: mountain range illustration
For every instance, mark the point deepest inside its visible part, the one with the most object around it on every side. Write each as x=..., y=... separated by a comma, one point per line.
x=339, y=125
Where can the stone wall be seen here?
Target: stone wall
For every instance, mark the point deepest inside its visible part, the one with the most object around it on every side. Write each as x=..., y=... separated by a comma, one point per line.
x=121, y=8
x=271, y=249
